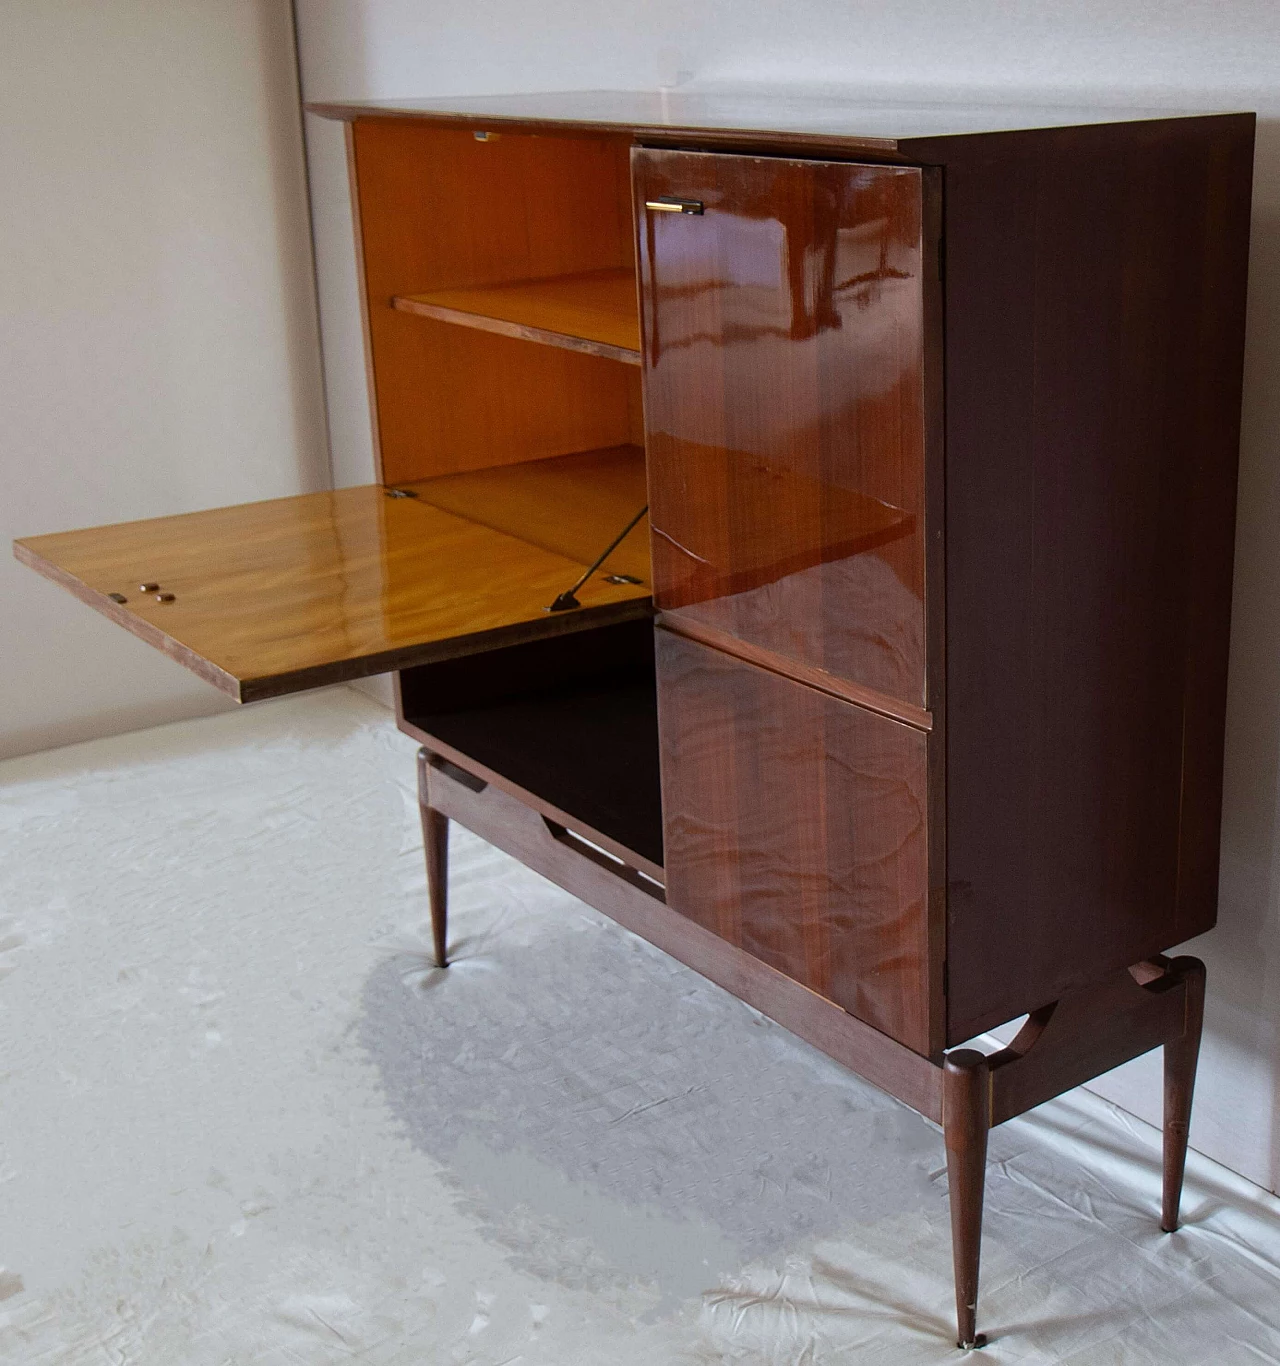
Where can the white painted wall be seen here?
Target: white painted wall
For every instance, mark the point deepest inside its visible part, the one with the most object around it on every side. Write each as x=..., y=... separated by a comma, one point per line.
x=158, y=338
x=1190, y=54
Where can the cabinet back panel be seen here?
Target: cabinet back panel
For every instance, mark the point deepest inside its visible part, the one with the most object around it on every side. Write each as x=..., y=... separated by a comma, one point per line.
x=439, y=209
x=572, y=720
x=796, y=828
x=783, y=348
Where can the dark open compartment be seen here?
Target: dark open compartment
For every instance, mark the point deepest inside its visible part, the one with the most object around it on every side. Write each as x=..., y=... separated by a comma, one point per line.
x=573, y=719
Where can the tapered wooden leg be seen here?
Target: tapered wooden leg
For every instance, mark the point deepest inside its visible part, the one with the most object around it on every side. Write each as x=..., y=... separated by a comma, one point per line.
x=435, y=839
x=1180, y=1059
x=966, y=1119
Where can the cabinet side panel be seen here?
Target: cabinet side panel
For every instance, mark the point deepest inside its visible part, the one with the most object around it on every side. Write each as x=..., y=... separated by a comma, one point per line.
x=784, y=403
x=1095, y=319
x=796, y=828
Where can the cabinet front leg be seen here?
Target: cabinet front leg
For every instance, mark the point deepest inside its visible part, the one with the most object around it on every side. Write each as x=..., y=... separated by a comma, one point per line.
x=435, y=840
x=1180, y=1058
x=966, y=1118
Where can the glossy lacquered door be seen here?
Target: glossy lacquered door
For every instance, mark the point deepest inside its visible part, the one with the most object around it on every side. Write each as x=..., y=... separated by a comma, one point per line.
x=783, y=307
x=796, y=828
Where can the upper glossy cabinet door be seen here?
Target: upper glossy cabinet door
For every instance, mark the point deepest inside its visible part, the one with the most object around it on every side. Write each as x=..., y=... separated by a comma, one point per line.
x=783, y=311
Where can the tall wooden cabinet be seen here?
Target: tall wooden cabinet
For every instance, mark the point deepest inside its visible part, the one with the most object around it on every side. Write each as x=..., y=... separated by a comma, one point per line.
x=899, y=712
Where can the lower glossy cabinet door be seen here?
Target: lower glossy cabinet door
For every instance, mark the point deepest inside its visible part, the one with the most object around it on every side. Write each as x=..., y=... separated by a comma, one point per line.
x=796, y=827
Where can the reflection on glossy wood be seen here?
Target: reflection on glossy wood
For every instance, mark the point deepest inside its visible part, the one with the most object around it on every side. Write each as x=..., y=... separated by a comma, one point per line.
x=276, y=596
x=752, y=486
x=882, y=703
x=784, y=393
x=594, y=313
x=572, y=505
x=796, y=829
x=441, y=211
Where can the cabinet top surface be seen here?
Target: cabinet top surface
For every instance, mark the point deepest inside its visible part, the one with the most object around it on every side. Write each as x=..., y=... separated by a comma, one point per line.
x=795, y=114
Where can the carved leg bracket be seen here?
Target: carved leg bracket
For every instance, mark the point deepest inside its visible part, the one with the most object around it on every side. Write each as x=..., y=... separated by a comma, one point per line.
x=1086, y=1033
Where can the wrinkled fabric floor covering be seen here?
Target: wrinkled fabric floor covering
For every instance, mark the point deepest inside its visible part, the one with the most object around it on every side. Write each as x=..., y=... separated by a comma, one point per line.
x=243, y=1120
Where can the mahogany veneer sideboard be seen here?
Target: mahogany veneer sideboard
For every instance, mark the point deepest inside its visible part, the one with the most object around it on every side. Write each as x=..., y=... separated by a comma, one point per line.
x=900, y=713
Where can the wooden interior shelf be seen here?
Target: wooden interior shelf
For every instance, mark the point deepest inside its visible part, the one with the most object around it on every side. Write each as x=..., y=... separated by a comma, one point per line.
x=595, y=312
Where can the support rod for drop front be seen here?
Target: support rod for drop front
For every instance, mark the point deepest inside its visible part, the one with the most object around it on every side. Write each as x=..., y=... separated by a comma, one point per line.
x=569, y=599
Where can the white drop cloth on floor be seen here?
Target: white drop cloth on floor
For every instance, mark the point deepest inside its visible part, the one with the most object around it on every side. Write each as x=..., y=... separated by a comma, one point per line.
x=242, y=1120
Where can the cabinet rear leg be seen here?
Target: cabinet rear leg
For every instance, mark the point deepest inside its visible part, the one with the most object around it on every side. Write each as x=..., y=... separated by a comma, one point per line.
x=435, y=839
x=1180, y=1058
x=435, y=843
x=966, y=1120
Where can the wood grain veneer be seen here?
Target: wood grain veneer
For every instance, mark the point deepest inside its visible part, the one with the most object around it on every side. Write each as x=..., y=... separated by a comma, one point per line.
x=441, y=211
x=362, y=289
x=276, y=596
x=785, y=400
x=682, y=624
x=571, y=505
x=1095, y=294
x=796, y=828
x=594, y=313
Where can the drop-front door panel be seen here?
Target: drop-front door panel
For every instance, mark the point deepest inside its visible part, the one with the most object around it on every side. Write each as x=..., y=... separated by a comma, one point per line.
x=274, y=597
x=784, y=351
x=796, y=827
